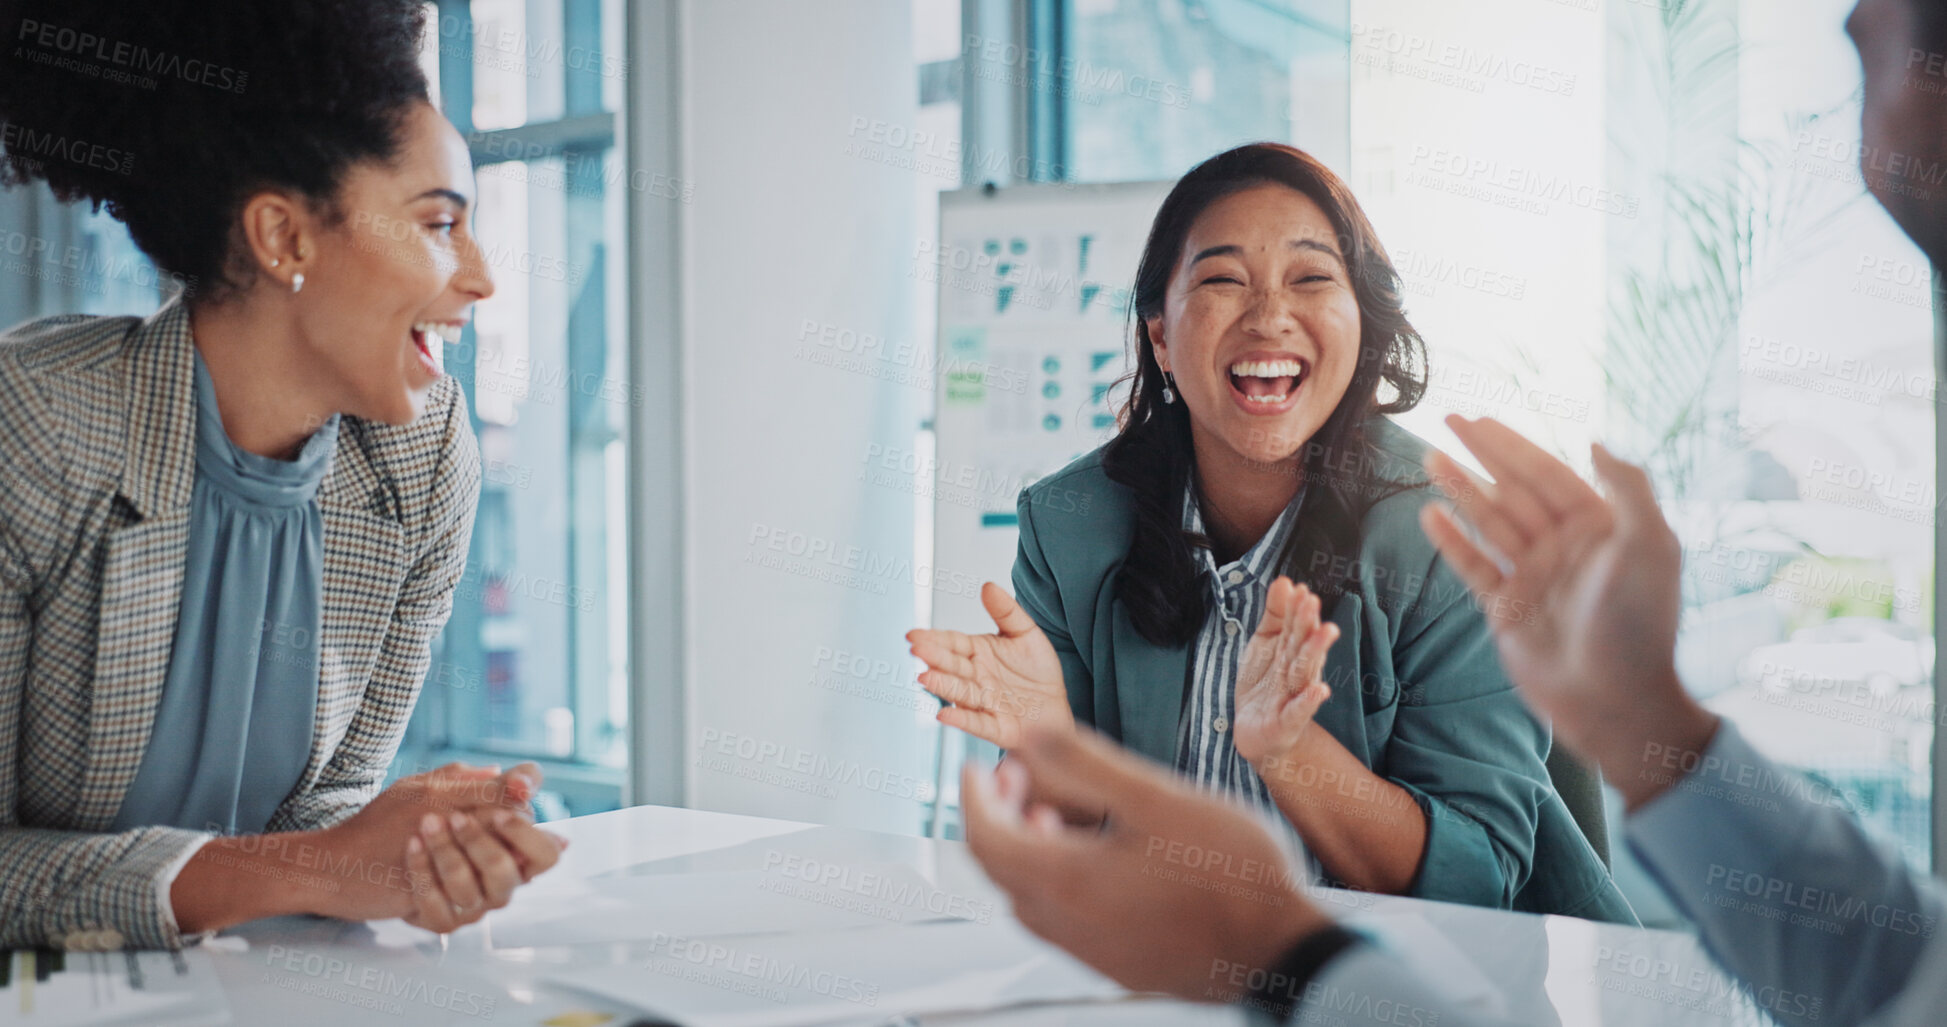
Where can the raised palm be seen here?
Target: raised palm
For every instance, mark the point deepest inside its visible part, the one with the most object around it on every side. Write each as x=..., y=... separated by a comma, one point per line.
x=1280, y=684
x=1584, y=603
x=997, y=683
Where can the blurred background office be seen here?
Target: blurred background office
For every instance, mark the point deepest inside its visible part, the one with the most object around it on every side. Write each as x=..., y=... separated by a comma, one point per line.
x=706, y=391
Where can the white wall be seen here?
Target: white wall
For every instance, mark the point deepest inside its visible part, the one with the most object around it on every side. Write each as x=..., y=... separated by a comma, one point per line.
x=775, y=442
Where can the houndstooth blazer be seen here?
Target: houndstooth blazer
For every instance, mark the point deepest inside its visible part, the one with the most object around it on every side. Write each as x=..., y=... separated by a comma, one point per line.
x=97, y=463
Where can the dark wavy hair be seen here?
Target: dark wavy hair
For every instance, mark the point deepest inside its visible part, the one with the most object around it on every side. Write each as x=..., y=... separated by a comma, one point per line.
x=173, y=114
x=1151, y=453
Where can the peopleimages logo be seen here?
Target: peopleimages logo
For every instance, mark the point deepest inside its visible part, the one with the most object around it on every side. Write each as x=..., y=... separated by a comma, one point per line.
x=1006, y=61
x=1471, y=65
x=23, y=142
x=717, y=749
x=724, y=965
x=1525, y=188
x=74, y=45
x=371, y=987
x=887, y=896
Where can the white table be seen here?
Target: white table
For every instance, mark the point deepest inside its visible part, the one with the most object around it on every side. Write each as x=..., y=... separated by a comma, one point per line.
x=297, y=972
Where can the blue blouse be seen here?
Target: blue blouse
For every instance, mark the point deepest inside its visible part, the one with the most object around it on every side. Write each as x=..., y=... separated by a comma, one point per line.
x=233, y=730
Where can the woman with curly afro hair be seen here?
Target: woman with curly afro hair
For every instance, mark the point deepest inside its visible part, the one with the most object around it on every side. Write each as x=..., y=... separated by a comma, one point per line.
x=229, y=531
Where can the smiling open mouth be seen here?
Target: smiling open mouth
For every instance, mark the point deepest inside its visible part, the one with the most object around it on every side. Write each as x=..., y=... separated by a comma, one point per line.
x=428, y=337
x=1267, y=382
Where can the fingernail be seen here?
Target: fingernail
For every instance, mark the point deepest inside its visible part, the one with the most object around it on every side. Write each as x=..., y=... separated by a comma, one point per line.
x=429, y=824
x=414, y=846
x=458, y=820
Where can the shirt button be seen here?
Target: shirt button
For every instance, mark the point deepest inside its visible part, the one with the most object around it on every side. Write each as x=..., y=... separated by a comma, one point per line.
x=1230, y=628
x=1222, y=724
x=1235, y=577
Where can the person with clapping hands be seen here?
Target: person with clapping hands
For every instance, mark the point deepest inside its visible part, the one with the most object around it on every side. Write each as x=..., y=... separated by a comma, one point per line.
x=1236, y=585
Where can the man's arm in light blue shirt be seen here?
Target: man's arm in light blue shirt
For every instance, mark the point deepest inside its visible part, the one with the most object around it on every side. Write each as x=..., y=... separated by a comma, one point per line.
x=1822, y=923
x=1786, y=889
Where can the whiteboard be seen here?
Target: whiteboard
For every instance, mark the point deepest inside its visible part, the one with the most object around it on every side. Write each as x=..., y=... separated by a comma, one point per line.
x=1034, y=286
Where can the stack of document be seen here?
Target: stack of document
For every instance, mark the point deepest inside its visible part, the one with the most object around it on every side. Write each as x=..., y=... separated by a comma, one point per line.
x=631, y=907
x=834, y=976
x=43, y=988
x=827, y=941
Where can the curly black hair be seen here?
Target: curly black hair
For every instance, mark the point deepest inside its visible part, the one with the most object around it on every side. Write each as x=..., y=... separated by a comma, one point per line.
x=173, y=114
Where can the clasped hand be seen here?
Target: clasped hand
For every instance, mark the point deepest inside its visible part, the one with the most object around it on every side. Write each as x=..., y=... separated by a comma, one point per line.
x=463, y=838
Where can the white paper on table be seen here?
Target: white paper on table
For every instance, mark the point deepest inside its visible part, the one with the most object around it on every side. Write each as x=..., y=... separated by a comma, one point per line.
x=825, y=976
x=115, y=989
x=703, y=905
x=1441, y=965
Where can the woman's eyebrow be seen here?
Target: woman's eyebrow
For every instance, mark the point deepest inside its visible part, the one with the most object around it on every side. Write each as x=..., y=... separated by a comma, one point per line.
x=443, y=193
x=1314, y=244
x=1231, y=249
x=1216, y=251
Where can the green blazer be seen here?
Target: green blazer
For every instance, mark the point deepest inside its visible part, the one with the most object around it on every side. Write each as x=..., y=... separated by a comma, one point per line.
x=1417, y=689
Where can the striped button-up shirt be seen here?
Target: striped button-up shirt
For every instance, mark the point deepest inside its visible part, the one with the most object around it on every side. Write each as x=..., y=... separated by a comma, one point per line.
x=1205, y=750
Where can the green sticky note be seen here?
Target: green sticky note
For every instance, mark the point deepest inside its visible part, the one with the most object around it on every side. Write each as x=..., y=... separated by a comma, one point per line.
x=964, y=372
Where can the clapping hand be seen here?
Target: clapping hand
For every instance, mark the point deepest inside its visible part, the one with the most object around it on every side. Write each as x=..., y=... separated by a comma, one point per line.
x=1281, y=685
x=1582, y=600
x=997, y=683
x=1178, y=883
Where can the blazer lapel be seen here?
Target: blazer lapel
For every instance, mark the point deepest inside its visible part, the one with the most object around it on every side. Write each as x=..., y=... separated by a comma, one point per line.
x=1150, y=685
x=365, y=566
x=141, y=590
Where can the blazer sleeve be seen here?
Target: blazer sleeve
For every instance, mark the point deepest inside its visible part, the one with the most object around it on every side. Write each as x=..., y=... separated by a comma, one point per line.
x=358, y=767
x=1824, y=924
x=56, y=884
x=1466, y=748
x=1035, y=590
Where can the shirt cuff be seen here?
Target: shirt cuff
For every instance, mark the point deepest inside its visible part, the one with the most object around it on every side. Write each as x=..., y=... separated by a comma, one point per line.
x=1279, y=990
x=1459, y=864
x=1730, y=786
x=165, y=882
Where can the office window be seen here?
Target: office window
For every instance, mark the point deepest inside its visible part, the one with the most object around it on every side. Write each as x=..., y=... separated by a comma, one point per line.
x=534, y=663
x=1809, y=505
x=1154, y=86
x=1644, y=223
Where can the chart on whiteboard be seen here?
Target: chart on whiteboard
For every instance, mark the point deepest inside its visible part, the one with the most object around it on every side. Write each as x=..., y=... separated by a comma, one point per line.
x=1034, y=285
